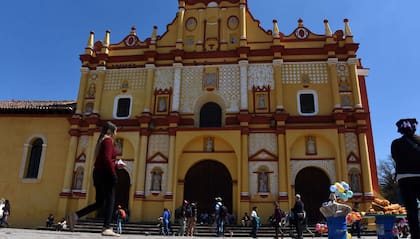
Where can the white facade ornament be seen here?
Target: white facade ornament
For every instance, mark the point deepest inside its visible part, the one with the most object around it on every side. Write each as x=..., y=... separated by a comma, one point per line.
x=260, y=75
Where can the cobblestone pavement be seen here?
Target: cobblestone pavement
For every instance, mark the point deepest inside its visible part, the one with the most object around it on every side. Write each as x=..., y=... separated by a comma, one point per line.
x=13, y=233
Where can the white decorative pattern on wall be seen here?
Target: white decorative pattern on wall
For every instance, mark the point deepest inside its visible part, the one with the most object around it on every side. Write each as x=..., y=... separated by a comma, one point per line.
x=114, y=78
x=326, y=165
x=158, y=143
x=83, y=143
x=292, y=73
x=260, y=75
x=163, y=78
x=229, y=86
x=191, y=87
x=262, y=141
x=351, y=143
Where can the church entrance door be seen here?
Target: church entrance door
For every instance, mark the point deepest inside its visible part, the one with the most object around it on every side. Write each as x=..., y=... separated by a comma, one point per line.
x=122, y=191
x=206, y=180
x=313, y=185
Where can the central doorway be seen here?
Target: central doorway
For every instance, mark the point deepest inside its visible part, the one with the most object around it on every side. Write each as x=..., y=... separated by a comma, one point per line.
x=313, y=192
x=206, y=180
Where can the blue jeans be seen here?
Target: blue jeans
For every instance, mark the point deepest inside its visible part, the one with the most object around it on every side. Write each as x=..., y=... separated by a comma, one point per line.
x=219, y=226
x=119, y=225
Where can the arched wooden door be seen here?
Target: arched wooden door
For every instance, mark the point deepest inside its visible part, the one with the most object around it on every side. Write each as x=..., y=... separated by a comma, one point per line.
x=313, y=185
x=206, y=180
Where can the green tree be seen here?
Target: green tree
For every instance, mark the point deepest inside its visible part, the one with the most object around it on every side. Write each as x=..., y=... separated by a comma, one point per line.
x=386, y=177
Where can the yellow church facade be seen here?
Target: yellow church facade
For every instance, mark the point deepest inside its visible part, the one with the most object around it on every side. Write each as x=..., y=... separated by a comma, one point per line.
x=216, y=106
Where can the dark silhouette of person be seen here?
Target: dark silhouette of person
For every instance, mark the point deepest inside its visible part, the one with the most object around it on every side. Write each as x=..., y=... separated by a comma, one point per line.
x=406, y=153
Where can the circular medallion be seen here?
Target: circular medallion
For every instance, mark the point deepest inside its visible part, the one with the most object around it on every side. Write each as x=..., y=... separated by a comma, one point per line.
x=130, y=41
x=191, y=24
x=233, y=22
x=301, y=33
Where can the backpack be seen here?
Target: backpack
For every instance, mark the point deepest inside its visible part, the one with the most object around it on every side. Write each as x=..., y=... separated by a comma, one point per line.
x=123, y=215
x=189, y=211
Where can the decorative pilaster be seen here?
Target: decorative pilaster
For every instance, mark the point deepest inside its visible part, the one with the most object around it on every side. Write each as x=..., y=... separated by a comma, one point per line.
x=82, y=89
x=365, y=166
x=242, y=25
x=243, y=68
x=352, y=65
x=99, y=88
x=277, y=65
x=177, y=87
x=332, y=72
x=149, y=87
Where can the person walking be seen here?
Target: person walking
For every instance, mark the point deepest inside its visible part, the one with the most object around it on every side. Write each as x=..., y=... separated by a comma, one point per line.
x=180, y=217
x=191, y=215
x=255, y=222
x=276, y=219
x=121, y=215
x=104, y=180
x=219, y=216
x=299, y=216
x=406, y=153
x=166, y=217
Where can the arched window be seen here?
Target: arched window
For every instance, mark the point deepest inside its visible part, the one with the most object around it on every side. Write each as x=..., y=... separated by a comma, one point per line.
x=33, y=158
x=211, y=115
x=33, y=162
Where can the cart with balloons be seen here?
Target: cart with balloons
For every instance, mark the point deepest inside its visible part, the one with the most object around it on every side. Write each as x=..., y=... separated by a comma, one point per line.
x=337, y=213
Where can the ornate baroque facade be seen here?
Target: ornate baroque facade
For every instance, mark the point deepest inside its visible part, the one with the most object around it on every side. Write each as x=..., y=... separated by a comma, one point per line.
x=215, y=106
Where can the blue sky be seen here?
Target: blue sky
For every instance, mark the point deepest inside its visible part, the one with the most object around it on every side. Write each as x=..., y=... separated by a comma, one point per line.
x=41, y=41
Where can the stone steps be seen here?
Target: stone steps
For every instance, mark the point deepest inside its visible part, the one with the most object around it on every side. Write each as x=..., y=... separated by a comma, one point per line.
x=151, y=228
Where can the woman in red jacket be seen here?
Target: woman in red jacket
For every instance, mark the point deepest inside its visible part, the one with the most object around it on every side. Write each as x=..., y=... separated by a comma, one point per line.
x=104, y=180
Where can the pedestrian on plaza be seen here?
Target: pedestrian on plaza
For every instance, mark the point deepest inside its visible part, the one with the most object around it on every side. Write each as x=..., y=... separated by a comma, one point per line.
x=276, y=218
x=355, y=226
x=166, y=217
x=299, y=216
x=255, y=222
x=191, y=215
x=50, y=220
x=6, y=213
x=121, y=215
x=406, y=153
x=245, y=220
x=104, y=180
x=180, y=217
x=220, y=216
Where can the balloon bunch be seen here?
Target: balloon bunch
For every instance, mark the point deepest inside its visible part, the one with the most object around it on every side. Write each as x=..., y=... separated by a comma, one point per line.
x=341, y=190
x=321, y=228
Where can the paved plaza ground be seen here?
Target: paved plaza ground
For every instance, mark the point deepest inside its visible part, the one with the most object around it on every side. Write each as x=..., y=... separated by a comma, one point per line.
x=13, y=233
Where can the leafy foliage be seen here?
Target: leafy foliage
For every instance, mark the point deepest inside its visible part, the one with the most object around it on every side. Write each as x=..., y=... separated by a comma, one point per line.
x=387, y=184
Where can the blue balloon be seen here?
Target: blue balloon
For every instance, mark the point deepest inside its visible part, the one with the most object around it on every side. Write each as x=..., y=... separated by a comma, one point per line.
x=333, y=188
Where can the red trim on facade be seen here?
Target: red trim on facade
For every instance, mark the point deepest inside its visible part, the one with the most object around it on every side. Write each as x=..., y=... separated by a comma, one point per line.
x=304, y=159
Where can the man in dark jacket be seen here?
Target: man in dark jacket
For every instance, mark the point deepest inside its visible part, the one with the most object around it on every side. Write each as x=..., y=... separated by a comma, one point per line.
x=299, y=216
x=406, y=153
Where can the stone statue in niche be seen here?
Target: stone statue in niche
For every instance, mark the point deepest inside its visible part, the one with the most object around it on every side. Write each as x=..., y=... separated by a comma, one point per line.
x=262, y=182
x=92, y=90
x=79, y=179
x=156, y=181
x=261, y=101
x=162, y=104
x=310, y=145
x=209, y=146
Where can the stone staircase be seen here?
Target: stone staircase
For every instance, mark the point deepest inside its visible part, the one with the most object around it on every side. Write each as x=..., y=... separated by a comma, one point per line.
x=202, y=230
